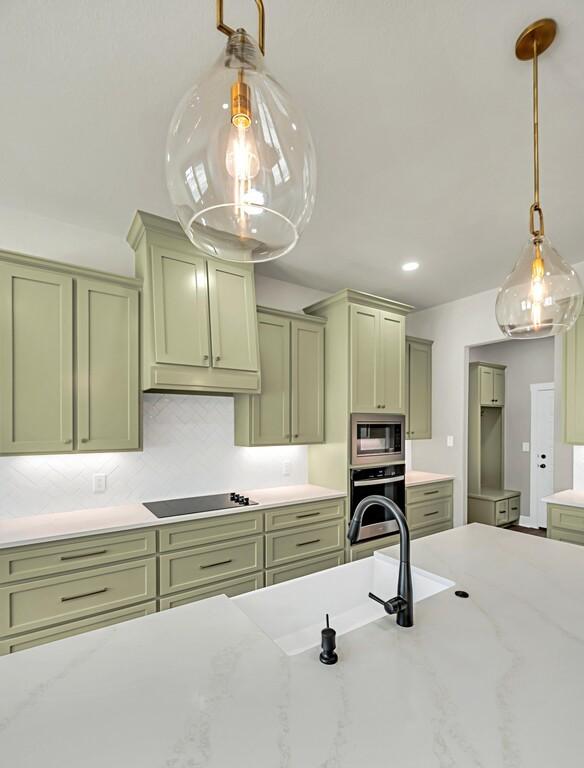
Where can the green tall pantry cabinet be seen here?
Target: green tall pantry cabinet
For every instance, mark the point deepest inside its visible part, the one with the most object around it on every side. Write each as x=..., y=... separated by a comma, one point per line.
x=290, y=408
x=574, y=383
x=69, y=358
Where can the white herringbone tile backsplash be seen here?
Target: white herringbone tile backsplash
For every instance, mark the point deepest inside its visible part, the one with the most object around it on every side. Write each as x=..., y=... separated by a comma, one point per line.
x=188, y=450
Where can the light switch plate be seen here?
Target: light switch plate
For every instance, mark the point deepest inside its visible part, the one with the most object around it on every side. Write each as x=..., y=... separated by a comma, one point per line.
x=99, y=483
x=450, y=441
x=286, y=468
x=525, y=447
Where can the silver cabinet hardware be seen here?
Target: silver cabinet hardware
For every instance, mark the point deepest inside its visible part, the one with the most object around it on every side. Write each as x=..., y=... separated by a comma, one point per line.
x=214, y=565
x=83, y=554
x=85, y=594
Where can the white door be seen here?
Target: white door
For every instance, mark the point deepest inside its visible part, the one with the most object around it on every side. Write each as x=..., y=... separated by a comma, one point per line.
x=542, y=451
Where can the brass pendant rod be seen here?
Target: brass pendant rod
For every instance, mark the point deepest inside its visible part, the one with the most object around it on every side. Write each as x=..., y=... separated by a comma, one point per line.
x=535, y=127
x=227, y=30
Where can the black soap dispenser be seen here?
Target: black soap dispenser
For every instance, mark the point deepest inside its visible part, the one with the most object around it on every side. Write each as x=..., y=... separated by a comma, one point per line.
x=328, y=644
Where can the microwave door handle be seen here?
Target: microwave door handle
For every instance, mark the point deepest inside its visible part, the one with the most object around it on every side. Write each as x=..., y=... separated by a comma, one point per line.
x=379, y=481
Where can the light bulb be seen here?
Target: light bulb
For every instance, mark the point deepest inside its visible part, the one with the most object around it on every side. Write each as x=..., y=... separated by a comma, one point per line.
x=240, y=163
x=542, y=296
x=241, y=157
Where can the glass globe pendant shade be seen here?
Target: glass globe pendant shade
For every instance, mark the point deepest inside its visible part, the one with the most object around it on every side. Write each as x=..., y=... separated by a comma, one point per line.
x=542, y=296
x=240, y=162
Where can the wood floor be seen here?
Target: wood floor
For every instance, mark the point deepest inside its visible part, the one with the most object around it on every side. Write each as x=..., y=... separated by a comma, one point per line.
x=529, y=531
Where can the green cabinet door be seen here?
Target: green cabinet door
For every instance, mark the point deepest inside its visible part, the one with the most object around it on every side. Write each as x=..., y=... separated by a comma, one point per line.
x=486, y=387
x=498, y=387
x=307, y=382
x=364, y=359
x=270, y=411
x=108, y=401
x=391, y=362
x=574, y=383
x=181, y=308
x=233, y=316
x=36, y=360
x=419, y=389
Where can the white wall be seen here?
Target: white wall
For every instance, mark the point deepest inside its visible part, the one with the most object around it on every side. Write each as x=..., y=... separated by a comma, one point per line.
x=51, y=239
x=279, y=294
x=528, y=362
x=454, y=327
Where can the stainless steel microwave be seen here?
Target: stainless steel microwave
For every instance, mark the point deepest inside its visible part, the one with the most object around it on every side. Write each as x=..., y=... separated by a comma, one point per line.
x=377, y=438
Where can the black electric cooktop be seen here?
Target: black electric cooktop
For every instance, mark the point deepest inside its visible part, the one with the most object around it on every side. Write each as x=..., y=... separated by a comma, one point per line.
x=198, y=504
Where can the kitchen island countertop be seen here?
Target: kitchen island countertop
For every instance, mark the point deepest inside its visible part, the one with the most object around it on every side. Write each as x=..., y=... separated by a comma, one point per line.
x=495, y=680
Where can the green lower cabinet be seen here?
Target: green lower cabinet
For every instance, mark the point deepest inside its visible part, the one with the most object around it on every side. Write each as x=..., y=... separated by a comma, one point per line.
x=305, y=568
x=32, y=639
x=494, y=508
x=312, y=540
x=231, y=588
x=367, y=548
x=565, y=523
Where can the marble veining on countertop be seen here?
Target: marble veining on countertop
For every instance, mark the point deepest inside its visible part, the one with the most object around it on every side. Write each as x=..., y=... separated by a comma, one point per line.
x=569, y=498
x=492, y=681
x=35, y=529
x=416, y=477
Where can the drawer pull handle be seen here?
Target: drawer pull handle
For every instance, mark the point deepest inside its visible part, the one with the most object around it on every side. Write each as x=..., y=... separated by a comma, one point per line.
x=214, y=565
x=83, y=554
x=431, y=493
x=85, y=594
x=304, y=543
x=514, y=509
x=308, y=514
x=429, y=514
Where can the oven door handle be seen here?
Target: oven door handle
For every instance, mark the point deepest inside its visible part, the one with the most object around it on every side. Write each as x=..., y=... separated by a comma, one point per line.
x=379, y=481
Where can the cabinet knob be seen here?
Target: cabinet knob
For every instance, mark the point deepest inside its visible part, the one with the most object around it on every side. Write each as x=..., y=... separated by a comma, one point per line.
x=217, y=358
x=84, y=440
x=296, y=436
x=205, y=357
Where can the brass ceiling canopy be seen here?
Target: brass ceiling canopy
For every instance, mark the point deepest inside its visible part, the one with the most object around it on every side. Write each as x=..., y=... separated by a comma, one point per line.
x=535, y=39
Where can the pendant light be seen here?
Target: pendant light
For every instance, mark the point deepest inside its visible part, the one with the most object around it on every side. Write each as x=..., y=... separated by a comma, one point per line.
x=542, y=296
x=240, y=162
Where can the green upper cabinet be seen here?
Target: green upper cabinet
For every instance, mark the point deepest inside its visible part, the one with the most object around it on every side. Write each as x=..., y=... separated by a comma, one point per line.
x=377, y=360
x=492, y=384
x=366, y=366
x=199, y=330
x=418, y=389
x=180, y=308
x=108, y=373
x=69, y=343
x=307, y=381
x=233, y=317
x=36, y=363
x=574, y=384
x=290, y=408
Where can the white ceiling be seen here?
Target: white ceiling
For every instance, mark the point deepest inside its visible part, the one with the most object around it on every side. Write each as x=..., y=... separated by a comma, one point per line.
x=419, y=110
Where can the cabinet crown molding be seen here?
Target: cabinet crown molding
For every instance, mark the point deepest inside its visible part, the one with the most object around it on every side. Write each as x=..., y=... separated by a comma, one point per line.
x=291, y=315
x=350, y=296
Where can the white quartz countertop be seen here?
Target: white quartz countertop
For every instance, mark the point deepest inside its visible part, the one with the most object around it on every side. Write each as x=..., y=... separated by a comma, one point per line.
x=569, y=498
x=35, y=529
x=415, y=477
x=493, y=681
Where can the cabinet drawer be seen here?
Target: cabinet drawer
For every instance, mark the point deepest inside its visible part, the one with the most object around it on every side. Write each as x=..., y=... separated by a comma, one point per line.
x=429, y=512
x=278, y=575
x=430, y=529
x=573, y=537
x=502, y=512
x=204, y=565
x=71, y=555
x=367, y=548
x=428, y=492
x=35, y=604
x=210, y=529
x=569, y=518
x=514, y=509
x=282, y=548
x=303, y=514
x=231, y=588
x=31, y=639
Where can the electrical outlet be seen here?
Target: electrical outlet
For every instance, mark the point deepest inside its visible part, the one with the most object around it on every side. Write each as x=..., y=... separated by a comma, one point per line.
x=450, y=441
x=525, y=447
x=286, y=468
x=99, y=483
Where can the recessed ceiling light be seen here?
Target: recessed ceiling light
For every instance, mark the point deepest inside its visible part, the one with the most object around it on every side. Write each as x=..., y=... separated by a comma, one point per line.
x=410, y=266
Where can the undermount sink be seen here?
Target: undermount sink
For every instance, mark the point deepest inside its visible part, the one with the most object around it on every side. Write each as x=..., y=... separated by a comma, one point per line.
x=292, y=614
